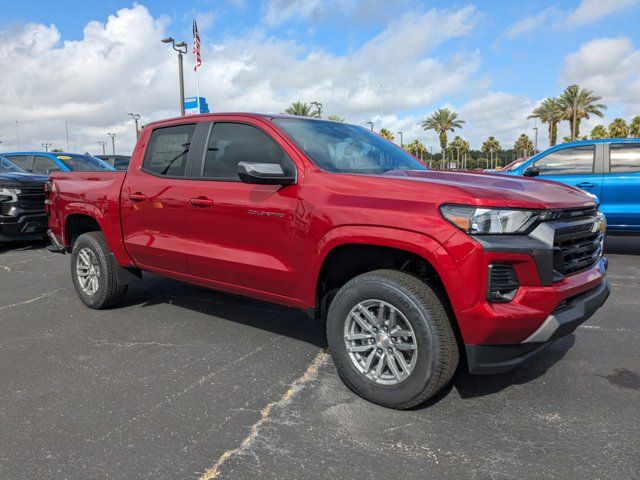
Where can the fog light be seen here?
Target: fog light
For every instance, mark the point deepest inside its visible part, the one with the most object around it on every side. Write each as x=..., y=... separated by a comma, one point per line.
x=502, y=283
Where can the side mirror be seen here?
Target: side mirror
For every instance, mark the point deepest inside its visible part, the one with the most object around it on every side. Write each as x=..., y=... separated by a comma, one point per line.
x=532, y=171
x=264, y=173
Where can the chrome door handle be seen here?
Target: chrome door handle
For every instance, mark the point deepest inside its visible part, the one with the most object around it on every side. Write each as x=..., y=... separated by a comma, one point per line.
x=201, y=202
x=137, y=197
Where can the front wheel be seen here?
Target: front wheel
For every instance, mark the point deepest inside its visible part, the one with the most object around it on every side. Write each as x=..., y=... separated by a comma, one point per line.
x=93, y=271
x=391, y=339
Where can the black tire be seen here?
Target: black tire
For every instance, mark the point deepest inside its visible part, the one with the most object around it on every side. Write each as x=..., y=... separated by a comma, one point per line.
x=109, y=292
x=437, y=350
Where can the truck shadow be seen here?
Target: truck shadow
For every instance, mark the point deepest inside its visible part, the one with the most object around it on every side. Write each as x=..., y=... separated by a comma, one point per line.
x=622, y=245
x=23, y=246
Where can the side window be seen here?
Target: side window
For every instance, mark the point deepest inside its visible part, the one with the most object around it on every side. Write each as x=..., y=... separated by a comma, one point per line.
x=21, y=160
x=231, y=143
x=568, y=161
x=168, y=150
x=44, y=165
x=625, y=158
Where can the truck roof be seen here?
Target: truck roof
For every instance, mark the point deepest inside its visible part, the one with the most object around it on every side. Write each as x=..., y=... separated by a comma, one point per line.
x=204, y=116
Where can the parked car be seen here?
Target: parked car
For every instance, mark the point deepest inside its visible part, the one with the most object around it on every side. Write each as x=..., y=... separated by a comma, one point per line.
x=47, y=162
x=608, y=169
x=406, y=264
x=120, y=162
x=22, y=212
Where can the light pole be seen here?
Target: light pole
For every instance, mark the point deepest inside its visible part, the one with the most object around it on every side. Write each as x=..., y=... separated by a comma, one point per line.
x=103, y=143
x=318, y=106
x=380, y=122
x=535, y=148
x=18, y=135
x=401, y=139
x=66, y=127
x=113, y=142
x=181, y=48
x=46, y=146
x=431, y=156
x=370, y=125
x=136, y=117
x=457, y=158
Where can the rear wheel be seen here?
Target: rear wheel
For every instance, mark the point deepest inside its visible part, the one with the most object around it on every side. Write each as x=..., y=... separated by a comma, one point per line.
x=93, y=271
x=391, y=339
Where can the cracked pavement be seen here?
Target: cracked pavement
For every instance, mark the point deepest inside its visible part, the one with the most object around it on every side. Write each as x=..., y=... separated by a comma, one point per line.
x=181, y=379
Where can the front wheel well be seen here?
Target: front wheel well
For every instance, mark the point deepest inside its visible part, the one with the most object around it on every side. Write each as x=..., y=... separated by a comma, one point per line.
x=78, y=224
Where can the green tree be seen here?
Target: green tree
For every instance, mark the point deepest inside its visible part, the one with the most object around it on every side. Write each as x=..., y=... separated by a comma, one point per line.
x=618, y=128
x=579, y=103
x=634, y=128
x=335, y=118
x=490, y=147
x=459, y=147
x=599, y=131
x=386, y=134
x=301, y=109
x=550, y=111
x=523, y=146
x=442, y=121
x=417, y=149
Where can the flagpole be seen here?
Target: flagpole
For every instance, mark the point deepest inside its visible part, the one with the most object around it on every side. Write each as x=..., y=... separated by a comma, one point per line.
x=196, y=70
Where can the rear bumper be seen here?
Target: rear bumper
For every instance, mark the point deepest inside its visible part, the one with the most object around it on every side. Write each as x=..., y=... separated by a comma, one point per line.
x=489, y=359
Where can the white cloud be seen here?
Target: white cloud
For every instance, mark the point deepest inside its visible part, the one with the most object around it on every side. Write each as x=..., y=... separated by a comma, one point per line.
x=529, y=24
x=590, y=11
x=611, y=68
x=120, y=66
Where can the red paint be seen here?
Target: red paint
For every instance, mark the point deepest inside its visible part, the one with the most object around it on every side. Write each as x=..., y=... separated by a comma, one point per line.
x=269, y=242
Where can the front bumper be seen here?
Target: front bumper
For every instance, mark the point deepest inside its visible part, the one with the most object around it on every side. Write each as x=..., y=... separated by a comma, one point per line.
x=23, y=226
x=490, y=359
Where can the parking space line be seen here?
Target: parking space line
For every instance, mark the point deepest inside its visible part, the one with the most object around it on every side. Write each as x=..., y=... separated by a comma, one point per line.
x=34, y=299
x=295, y=387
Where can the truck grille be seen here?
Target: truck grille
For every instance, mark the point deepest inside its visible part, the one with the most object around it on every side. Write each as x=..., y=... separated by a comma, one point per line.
x=577, y=248
x=31, y=198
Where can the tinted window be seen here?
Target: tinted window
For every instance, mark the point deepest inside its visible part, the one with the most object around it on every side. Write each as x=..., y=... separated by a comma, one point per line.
x=168, y=150
x=625, y=158
x=568, y=161
x=44, y=165
x=21, y=160
x=340, y=147
x=82, y=163
x=7, y=166
x=231, y=143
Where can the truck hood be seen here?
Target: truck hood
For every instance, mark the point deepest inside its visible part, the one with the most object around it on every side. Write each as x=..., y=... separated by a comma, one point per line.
x=21, y=179
x=500, y=190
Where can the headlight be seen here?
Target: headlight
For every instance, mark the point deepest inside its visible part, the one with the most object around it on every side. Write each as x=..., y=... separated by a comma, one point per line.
x=487, y=221
x=9, y=191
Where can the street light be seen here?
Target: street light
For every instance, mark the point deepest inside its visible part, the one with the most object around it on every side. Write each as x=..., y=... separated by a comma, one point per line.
x=113, y=142
x=46, y=146
x=370, y=125
x=181, y=48
x=318, y=106
x=103, y=143
x=136, y=117
x=535, y=150
x=401, y=138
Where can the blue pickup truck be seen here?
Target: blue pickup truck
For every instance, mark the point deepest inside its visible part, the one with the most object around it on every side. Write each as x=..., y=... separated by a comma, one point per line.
x=46, y=162
x=608, y=168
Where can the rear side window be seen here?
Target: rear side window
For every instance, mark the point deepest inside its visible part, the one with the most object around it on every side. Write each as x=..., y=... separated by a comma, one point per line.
x=232, y=143
x=625, y=158
x=21, y=160
x=168, y=150
x=44, y=165
x=568, y=161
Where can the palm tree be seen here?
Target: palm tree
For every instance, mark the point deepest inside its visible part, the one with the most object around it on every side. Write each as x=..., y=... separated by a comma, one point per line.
x=459, y=147
x=489, y=146
x=386, y=134
x=301, y=109
x=523, y=145
x=579, y=103
x=618, y=128
x=599, y=131
x=335, y=118
x=417, y=149
x=442, y=121
x=550, y=111
x=634, y=128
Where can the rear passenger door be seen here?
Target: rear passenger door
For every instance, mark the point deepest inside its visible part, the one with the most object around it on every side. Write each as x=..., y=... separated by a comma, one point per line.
x=579, y=166
x=621, y=187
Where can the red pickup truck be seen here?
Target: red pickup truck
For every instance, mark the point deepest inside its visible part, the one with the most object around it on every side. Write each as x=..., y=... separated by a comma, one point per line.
x=412, y=269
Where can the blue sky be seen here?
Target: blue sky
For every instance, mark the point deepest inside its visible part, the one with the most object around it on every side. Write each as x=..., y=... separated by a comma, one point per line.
x=492, y=61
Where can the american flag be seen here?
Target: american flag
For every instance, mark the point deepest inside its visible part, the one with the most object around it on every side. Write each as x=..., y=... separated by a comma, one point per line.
x=196, y=46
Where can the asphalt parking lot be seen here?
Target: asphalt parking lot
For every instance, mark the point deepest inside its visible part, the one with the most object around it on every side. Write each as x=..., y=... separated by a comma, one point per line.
x=181, y=382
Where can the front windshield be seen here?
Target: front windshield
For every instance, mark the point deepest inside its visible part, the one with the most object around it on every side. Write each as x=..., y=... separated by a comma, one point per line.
x=7, y=166
x=344, y=148
x=83, y=163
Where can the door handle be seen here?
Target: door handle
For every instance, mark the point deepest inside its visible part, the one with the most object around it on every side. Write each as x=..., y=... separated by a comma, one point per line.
x=586, y=185
x=201, y=202
x=137, y=197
